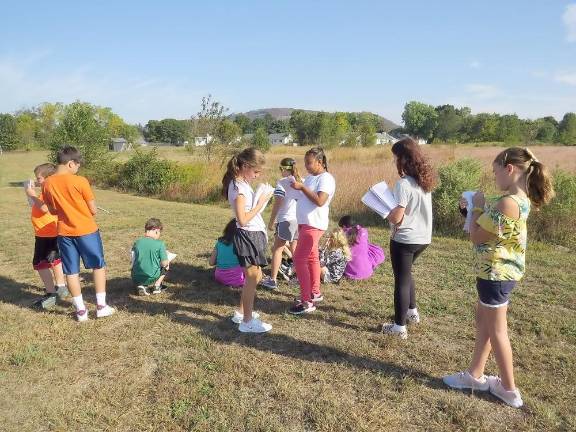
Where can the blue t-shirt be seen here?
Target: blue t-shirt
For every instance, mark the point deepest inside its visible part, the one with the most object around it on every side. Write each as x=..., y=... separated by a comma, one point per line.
x=225, y=256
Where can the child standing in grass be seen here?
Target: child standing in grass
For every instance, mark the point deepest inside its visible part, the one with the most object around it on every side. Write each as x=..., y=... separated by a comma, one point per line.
x=334, y=257
x=366, y=256
x=498, y=232
x=411, y=229
x=250, y=242
x=70, y=197
x=46, y=259
x=228, y=270
x=283, y=219
x=150, y=259
x=312, y=212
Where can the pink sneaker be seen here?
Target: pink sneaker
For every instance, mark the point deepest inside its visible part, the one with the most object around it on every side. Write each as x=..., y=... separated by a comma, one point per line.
x=82, y=315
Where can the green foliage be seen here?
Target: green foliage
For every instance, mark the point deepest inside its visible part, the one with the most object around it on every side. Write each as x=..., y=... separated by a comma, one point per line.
x=146, y=174
x=567, y=129
x=454, y=178
x=8, y=132
x=420, y=119
x=170, y=131
x=260, y=140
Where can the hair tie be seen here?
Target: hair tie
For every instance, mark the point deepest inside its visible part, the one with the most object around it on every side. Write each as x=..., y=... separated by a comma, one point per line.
x=532, y=157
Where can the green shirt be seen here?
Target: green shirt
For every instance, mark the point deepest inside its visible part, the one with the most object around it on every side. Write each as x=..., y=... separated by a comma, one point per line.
x=148, y=253
x=503, y=258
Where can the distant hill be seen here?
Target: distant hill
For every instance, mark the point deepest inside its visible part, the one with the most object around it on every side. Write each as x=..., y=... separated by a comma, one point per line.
x=284, y=114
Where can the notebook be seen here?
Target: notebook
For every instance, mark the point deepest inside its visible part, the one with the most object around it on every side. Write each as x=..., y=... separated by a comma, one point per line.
x=380, y=199
x=468, y=196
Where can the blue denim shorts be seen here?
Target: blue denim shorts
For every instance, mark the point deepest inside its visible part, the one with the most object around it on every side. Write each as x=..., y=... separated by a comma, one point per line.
x=88, y=247
x=494, y=293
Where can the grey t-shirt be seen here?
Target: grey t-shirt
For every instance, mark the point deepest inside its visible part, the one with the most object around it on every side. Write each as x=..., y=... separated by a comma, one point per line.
x=416, y=227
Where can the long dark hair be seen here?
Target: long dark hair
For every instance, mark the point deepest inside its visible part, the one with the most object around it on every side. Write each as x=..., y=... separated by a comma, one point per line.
x=319, y=155
x=228, y=233
x=410, y=161
x=539, y=187
x=351, y=229
x=250, y=157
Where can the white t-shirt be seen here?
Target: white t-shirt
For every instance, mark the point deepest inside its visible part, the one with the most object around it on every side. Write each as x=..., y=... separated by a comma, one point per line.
x=416, y=227
x=240, y=187
x=287, y=211
x=308, y=213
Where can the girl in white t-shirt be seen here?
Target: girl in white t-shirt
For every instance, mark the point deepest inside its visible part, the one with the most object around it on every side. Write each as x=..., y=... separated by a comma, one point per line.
x=312, y=210
x=250, y=242
x=283, y=218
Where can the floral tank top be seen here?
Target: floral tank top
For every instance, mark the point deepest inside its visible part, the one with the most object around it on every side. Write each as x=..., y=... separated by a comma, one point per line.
x=503, y=258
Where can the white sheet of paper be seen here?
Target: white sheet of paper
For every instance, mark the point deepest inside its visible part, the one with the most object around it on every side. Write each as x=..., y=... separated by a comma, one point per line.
x=170, y=255
x=380, y=199
x=262, y=189
x=468, y=195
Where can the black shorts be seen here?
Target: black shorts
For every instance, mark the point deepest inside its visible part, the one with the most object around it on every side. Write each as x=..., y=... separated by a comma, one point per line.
x=494, y=293
x=250, y=247
x=46, y=253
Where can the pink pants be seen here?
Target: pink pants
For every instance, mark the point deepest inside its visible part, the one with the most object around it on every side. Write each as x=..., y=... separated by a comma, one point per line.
x=307, y=261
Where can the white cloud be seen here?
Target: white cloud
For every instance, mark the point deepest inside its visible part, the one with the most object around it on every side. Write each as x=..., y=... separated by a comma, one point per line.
x=569, y=20
x=482, y=91
x=566, y=78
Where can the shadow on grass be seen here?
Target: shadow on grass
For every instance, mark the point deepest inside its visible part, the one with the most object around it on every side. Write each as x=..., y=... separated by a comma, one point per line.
x=20, y=294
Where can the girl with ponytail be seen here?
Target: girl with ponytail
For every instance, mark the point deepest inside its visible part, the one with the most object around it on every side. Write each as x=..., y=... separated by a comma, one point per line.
x=498, y=232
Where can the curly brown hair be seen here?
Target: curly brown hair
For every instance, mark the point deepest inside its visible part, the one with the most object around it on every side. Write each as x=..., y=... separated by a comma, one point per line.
x=411, y=161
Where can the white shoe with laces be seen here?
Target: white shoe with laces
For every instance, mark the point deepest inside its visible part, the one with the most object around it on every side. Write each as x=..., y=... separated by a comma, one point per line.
x=104, y=311
x=254, y=326
x=413, y=318
x=393, y=330
x=463, y=380
x=509, y=397
x=238, y=317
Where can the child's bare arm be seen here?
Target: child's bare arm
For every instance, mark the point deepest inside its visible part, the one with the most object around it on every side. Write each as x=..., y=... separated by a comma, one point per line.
x=37, y=202
x=92, y=207
x=212, y=259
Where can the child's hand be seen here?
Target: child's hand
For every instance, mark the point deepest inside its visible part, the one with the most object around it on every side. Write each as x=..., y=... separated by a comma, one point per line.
x=29, y=188
x=297, y=185
x=478, y=200
x=264, y=198
x=462, y=203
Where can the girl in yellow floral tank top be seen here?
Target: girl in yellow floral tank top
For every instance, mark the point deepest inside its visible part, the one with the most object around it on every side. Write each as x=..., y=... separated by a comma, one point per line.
x=498, y=232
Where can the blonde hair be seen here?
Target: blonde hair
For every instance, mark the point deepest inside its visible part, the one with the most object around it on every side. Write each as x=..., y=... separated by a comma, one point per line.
x=338, y=240
x=539, y=187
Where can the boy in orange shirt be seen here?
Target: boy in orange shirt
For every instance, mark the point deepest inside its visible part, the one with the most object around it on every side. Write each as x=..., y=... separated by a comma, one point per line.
x=46, y=259
x=70, y=197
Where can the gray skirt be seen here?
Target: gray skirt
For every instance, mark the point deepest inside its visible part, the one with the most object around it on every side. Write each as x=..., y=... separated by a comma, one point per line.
x=250, y=247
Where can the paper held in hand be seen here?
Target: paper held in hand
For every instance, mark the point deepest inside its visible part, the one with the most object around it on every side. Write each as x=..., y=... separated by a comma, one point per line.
x=468, y=195
x=171, y=255
x=262, y=189
x=380, y=199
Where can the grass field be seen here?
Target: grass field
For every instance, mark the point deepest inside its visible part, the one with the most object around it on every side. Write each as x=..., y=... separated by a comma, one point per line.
x=175, y=361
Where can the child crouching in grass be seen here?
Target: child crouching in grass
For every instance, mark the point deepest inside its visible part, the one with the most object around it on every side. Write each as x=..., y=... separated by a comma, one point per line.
x=150, y=261
x=228, y=270
x=334, y=257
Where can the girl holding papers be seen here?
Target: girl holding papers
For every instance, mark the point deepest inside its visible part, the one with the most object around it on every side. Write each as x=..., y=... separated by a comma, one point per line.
x=411, y=221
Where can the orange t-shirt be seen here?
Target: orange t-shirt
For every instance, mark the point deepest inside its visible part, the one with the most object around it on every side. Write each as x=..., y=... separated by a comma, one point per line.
x=45, y=224
x=69, y=194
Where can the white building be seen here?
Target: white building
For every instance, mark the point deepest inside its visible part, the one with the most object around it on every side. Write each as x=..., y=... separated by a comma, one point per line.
x=385, y=138
x=203, y=140
x=118, y=144
x=281, y=138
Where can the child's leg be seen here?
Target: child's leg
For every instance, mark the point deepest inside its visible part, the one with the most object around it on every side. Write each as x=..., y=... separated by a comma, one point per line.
x=277, y=256
x=253, y=274
x=73, y=281
x=159, y=280
x=47, y=279
x=303, y=251
x=482, y=345
x=401, y=258
x=314, y=265
x=498, y=329
x=99, y=275
x=412, y=303
x=59, y=275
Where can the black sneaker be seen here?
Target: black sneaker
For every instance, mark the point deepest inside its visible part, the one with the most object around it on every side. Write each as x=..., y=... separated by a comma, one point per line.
x=47, y=301
x=283, y=271
x=302, y=308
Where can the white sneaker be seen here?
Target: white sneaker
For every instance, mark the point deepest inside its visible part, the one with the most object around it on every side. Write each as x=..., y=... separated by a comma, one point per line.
x=254, y=326
x=104, y=311
x=238, y=317
x=463, y=380
x=82, y=315
x=413, y=318
x=509, y=397
x=391, y=329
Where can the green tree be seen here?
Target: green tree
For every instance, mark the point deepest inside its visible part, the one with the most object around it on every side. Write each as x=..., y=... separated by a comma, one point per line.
x=49, y=116
x=547, y=129
x=27, y=127
x=260, y=140
x=420, y=119
x=208, y=122
x=450, y=123
x=8, y=133
x=244, y=123
x=301, y=124
x=227, y=132
x=510, y=129
x=366, y=129
x=567, y=129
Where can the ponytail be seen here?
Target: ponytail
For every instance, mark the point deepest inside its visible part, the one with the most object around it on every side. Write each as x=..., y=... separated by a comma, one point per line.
x=249, y=157
x=232, y=171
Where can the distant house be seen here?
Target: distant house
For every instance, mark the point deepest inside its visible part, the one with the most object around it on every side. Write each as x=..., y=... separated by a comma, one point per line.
x=385, y=138
x=420, y=141
x=281, y=138
x=203, y=140
x=118, y=144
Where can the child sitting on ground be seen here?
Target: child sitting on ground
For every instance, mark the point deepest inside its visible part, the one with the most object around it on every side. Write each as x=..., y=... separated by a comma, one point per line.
x=228, y=270
x=334, y=256
x=150, y=261
x=365, y=256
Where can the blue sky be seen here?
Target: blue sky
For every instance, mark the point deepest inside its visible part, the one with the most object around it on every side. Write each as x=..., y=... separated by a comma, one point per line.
x=152, y=60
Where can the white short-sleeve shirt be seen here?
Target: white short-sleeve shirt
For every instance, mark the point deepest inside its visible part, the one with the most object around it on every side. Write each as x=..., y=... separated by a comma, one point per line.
x=416, y=226
x=308, y=213
x=287, y=211
x=240, y=187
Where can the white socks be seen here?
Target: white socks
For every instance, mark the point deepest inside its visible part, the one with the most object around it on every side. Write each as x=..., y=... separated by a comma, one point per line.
x=101, y=299
x=78, y=303
x=398, y=328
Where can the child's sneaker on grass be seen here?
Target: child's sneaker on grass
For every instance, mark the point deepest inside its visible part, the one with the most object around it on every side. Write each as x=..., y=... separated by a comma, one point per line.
x=62, y=291
x=317, y=298
x=159, y=289
x=46, y=302
x=142, y=290
x=104, y=311
x=463, y=380
x=412, y=317
x=82, y=315
x=254, y=326
x=509, y=397
x=269, y=283
x=395, y=330
x=285, y=272
x=302, y=308
x=238, y=317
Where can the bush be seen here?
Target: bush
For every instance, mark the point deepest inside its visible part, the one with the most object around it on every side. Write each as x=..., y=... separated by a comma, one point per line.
x=146, y=174
x=455, y=178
